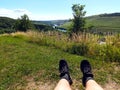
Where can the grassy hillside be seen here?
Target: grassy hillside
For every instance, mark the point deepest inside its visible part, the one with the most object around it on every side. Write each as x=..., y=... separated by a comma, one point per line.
x=105, y=22
x=25, y=62
x=102, y=22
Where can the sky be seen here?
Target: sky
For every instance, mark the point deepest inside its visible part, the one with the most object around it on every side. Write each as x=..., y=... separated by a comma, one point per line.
x=55, y=9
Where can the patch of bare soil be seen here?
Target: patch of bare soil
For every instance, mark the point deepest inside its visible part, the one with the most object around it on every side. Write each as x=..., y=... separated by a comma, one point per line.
x=32, y=85
x=111, y=86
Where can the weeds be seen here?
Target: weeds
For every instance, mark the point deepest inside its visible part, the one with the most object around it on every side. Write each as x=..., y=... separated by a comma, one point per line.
x=81, y=44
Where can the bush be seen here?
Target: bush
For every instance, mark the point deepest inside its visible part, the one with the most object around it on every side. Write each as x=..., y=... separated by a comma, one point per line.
x=112, y=53
x=2, y=31
x=79, y=49
x=105, y=53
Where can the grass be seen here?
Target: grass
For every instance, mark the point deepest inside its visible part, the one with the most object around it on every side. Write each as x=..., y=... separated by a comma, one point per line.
x=82, y=44
x=19, y=58
x=37, y=56
x=104, y=23
x=100, y=23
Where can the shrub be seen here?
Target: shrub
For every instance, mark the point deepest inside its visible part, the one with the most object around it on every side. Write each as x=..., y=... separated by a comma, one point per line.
x=112, y=53
x=106, y=53
x=79, y=49
x=2, y=31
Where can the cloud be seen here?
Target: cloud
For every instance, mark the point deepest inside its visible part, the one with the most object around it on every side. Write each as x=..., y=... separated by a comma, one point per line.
x=21, y=11
x=13, y=13
x=4, y=11
x=16, y=13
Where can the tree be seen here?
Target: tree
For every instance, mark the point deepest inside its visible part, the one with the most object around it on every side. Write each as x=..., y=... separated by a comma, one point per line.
x=78, y=21
x=23, y=23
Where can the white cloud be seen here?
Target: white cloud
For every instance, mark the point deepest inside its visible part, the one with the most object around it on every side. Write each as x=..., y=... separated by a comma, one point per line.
x=13, y=13
x=4, y=11
x=16, y=13
x=21, y=11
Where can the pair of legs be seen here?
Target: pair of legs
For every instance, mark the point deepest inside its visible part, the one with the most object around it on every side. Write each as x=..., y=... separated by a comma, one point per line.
x=90, y=85
x=87, y=79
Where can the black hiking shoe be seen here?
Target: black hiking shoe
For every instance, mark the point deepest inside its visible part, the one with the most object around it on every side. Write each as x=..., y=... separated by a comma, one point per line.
x=86, y=70
x=64, y=71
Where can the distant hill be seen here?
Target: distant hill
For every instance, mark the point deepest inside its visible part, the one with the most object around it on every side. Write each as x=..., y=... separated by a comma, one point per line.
x=48, y=25
x=105, y=22
x=6, y=22
x=110, y=15
x=6, y=25
x=102, y=22
x=51, y=22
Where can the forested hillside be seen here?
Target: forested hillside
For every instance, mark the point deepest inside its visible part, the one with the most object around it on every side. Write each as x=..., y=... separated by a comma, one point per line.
x=6, y=24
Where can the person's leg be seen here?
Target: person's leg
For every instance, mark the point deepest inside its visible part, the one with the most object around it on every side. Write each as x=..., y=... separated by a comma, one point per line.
x=87, y=79
x=63, y=85
x=65, y=79
x=92, y=85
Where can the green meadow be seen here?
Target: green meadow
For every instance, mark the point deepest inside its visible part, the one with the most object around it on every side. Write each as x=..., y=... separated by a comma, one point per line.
x=35, y=56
